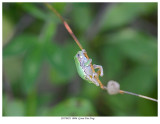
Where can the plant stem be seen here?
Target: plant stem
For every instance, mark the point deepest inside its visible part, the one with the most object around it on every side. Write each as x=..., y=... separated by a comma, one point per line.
x=73, y=36
x=134, y=94
x=65, y=24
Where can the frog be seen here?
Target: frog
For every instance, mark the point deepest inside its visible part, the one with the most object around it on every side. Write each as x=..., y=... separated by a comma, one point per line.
x=83, y=65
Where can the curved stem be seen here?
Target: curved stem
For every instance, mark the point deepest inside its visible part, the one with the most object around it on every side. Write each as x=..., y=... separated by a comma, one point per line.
x=73, y=36
x=65, y=24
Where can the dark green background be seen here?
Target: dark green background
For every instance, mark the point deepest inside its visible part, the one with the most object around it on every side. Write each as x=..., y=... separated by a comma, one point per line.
x=39, y=73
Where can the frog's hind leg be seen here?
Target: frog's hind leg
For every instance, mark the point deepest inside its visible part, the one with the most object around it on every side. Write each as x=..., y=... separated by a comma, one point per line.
x=92, y=80
x=100, y=69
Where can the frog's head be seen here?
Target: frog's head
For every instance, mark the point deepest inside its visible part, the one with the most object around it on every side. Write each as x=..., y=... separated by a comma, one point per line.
x=79, y=56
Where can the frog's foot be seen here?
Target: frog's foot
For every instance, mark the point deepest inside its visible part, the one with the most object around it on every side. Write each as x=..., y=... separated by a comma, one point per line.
x=84, y=51
x=93, y=80
x=100, y=69
x=95, y=74
x=96, y=83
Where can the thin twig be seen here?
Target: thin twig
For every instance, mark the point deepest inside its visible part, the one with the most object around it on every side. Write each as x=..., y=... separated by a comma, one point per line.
x=65, y=24
x=134, y=94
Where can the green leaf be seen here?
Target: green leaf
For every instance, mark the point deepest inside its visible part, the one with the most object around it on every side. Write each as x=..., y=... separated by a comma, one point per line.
x=138, y=75
x=61, y=59
x=42, y=111
x=12, y=68
x=123, y=13
x=31, y=103
x=73, y=107
x=60, y=7
x=138, y=78
x=48, y=30
x=14, y=108
x=89, y=91
x=113, y=62
x=121, y=105
x=34, y=10
x=19, y=44
x=8, y=29
x=136, y=45
x=31, y=69
x=148, y=108
x=81, y=12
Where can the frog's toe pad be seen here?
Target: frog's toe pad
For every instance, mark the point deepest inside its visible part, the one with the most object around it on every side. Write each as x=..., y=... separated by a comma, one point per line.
x=96, y=83
x=84, y=51
x=95, y=74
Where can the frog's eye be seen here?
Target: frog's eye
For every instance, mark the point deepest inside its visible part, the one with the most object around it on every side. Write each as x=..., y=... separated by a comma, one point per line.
x=79, y=56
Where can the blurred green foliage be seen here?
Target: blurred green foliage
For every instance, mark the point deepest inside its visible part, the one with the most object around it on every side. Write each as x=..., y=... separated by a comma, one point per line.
x=39, y=74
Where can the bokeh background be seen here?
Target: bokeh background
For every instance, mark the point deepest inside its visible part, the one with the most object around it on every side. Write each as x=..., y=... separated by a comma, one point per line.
x=39, y=73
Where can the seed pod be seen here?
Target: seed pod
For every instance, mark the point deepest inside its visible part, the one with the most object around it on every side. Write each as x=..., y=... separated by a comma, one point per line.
x=113, y=87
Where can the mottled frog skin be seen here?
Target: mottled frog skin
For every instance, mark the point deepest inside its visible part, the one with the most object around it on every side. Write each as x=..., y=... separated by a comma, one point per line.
x=84, y=69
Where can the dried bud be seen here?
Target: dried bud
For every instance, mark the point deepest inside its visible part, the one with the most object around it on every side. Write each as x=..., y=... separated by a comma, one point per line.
x=113, y=87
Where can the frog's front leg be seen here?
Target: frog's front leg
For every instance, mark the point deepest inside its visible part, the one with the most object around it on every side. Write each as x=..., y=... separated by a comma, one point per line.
x=100, y=69
x=88, y=62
